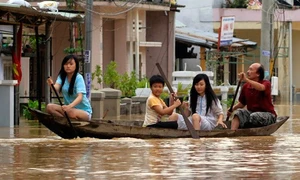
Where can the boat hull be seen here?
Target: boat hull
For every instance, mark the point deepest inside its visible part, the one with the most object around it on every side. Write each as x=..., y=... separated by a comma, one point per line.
x=107, y=129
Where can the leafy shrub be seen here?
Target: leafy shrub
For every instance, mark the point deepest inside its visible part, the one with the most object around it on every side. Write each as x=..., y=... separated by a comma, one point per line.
x=227, y=102
x=33, y=105
x=97, y=74
x=183, y=91
x=144, y=82
x=111, y=76
x=128, y=84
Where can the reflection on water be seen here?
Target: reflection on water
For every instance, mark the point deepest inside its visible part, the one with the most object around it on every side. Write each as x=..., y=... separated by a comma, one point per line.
x=31, y=151
x=260, y=157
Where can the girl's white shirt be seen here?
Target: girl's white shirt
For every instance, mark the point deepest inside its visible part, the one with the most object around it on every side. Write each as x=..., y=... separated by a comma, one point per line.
x=213, y=112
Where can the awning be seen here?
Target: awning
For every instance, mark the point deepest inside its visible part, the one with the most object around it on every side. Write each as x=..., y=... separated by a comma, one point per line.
x=208, y=39
x=186, y=39
x=29, y=16
x=287, y=4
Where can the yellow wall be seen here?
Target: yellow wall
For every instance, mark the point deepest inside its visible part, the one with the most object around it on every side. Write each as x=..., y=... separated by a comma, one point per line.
x=296, y=60
x=251, y=35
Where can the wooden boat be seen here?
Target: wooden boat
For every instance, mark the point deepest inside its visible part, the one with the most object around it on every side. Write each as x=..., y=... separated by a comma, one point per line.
x=107, y=129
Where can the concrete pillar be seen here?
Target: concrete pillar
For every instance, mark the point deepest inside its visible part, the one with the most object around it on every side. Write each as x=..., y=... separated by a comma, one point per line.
x=7, y=103
x=97, y=102
x=202, y=58
x=267, y=35
x=128, y=105
x=226, y=70
x=142, y=101
x=224, y=92
x=241, y=64
x=137, y=42
x=283, y=63
x=112, y=101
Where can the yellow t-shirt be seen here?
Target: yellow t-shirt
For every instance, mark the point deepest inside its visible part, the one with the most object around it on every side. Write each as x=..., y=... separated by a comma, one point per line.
x=151, y=116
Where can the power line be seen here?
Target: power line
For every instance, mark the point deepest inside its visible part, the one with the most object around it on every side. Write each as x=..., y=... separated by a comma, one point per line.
x=109, y=14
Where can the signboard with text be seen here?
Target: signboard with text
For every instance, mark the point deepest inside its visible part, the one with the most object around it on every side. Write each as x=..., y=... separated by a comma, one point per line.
x=226, y=31
x=87, y=56
x=88, y=83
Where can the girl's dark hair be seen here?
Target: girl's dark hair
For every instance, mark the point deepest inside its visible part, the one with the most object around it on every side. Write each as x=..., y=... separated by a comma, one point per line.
x=63, y=74
x=261, y=72
x=156, y=79
x=210, y=94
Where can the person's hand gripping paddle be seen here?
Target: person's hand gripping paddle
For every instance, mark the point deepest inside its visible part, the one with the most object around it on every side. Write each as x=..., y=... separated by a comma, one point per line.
x=189, y=125
x=69, y=121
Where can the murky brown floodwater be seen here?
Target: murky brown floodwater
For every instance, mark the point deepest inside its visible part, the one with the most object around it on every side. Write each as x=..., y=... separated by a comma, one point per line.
x=33, y=152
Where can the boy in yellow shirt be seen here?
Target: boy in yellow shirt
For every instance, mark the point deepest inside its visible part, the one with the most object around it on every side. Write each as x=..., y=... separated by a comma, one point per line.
x=156, y=109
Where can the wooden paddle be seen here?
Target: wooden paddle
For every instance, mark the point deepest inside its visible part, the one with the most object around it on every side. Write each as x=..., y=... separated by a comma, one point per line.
x=190, y=127
x=234, y=97
x=69, y=121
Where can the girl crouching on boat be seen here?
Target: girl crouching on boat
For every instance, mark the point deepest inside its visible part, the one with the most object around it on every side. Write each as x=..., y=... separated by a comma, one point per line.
x=205, y=107
x=71, y=84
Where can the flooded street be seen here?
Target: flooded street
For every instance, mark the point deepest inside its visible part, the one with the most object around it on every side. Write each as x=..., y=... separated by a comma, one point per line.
x=31, y=151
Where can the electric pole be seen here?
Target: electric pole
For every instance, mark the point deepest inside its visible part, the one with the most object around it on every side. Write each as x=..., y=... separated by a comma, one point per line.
x=88, y=47
x=267, y=36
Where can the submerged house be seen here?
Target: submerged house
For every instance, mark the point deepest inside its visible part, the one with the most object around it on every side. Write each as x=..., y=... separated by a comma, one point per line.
x=286, y=32
x=199, y=36
x=210, y=58
x=128, y=33
x=15, y=20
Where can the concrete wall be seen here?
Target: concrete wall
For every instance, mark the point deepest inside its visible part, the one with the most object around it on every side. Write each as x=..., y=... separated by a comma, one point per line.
x=97, y=42
x=218, y=3
x=196, y=14
x=120, y=53
x=111, y=42
x=108, y=42
x=160, y=32
x=59, y=43
x=252, y=15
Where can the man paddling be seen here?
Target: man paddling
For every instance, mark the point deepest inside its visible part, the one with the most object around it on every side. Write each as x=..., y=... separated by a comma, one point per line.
x=256, y=95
